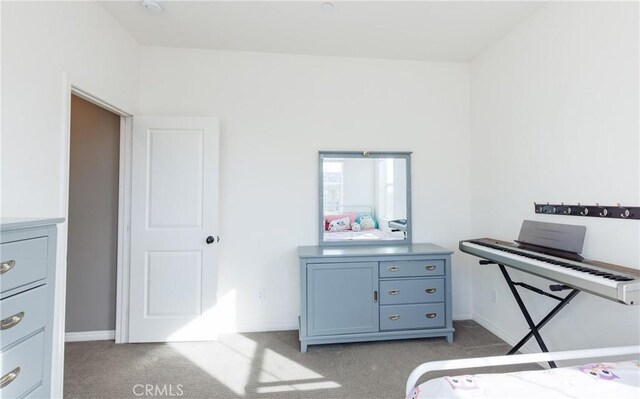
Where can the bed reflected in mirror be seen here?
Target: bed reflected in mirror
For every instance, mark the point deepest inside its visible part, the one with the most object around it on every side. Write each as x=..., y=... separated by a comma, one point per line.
x=364, y=199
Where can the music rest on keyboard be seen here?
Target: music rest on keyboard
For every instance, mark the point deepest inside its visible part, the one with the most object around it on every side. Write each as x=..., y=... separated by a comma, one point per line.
x=613, y=282
x=398, y=225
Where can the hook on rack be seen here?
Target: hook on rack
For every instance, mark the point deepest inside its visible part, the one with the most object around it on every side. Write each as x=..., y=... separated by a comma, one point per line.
x=604, y=212
x=568, y=210
x=625, y=212
x=537, y=207
x=584, y=212
x=549, y=208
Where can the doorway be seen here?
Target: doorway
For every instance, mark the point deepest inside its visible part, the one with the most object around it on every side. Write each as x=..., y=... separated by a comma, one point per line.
x=92, y=252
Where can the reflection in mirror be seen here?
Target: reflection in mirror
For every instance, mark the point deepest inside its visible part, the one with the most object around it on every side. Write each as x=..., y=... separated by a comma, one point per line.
x=364, y=198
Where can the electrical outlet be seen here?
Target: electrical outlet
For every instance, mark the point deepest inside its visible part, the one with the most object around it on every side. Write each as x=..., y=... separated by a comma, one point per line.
x=261, y=294
x=494, y=296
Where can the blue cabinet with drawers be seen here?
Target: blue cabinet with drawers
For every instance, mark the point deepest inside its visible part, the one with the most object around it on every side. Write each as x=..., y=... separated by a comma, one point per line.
x=352, y=294
x=27, y=273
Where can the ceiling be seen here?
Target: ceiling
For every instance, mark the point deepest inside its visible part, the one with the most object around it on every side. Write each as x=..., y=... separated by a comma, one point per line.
x=437, y=31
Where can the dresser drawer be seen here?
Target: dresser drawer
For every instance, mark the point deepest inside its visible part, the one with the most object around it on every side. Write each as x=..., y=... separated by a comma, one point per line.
x=409, y=317
x=394, y=292
x=22, y=314
x=23, y=262
x=22, y=367
x=412, y=268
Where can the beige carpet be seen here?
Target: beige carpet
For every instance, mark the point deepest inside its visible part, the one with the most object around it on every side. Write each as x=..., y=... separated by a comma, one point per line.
x=263, y=365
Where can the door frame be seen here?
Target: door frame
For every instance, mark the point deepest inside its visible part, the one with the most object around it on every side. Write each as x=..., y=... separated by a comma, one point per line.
x=124, y=217
x=124, y=209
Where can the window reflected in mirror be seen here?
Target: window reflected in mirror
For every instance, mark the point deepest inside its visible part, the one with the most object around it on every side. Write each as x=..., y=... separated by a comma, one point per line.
x=364, y=198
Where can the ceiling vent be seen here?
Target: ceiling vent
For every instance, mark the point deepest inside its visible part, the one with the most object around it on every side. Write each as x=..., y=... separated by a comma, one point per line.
x=152, y=6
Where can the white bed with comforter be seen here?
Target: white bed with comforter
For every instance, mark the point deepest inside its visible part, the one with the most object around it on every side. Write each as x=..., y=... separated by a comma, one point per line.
x=350, y=235
x=345, y=232
x=591, y=380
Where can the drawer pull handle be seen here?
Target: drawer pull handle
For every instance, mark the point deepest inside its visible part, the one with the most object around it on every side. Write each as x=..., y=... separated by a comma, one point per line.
x=393, y=269
x=431, y=315
x=11, y=321
x=375, y=296
x=9, y=377
x=394, y=317
x=430, y=290
x=394, y=292
x=430, y=267
x=6, y=266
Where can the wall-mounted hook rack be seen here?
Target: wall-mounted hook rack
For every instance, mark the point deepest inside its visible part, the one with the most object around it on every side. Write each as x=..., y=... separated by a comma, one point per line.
x=601, y=211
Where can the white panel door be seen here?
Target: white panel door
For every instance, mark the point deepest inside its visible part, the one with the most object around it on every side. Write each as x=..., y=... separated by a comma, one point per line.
x=174, y=218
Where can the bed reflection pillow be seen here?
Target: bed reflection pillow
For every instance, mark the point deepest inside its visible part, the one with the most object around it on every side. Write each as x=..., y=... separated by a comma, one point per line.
x=330, y=218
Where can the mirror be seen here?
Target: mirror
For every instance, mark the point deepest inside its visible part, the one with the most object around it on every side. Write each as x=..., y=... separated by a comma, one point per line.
x=365, y=198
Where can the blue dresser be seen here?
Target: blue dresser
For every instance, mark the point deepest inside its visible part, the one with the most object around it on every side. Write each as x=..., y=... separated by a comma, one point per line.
x=27, y=274
x=370, y=293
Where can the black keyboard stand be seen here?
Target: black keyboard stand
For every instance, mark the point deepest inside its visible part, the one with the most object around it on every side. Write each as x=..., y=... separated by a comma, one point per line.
x=535, y=328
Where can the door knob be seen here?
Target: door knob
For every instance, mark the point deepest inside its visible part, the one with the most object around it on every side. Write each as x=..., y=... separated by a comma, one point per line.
x=210, y=240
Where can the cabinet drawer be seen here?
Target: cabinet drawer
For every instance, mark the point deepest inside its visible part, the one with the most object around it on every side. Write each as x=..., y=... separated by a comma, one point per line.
x=22, y=366
x=412, y=268
x=409, y=317
x=22, y=314
x=394, y=292
x=23, y=262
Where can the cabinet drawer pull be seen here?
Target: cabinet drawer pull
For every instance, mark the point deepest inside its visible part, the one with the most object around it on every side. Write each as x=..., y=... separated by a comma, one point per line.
x=430, y=267
x=394, y=317
x=394, y=292
x=431, y=315
x=11, y=321
x=9, y=377
x=393, y=268
x=6, y=266
x=375, y=296
x=430, y=290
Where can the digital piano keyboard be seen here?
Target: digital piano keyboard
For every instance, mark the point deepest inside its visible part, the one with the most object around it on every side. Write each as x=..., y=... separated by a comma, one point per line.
x=617, y=283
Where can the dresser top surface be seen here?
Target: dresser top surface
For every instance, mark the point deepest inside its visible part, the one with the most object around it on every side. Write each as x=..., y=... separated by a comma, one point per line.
x=370, y=250
x=21, y=223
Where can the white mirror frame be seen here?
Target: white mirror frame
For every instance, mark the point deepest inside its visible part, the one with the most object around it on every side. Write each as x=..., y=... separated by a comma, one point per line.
x=364, y=155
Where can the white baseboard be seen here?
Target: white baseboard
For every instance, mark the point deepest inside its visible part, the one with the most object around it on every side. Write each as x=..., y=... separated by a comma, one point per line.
x=270, y=327
x=503, y=335
x=81, y=336
x=463, y=316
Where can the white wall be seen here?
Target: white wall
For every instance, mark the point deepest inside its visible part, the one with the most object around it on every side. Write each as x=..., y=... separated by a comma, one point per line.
x=555, y=118
x=276, y=112
x=45, y=48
